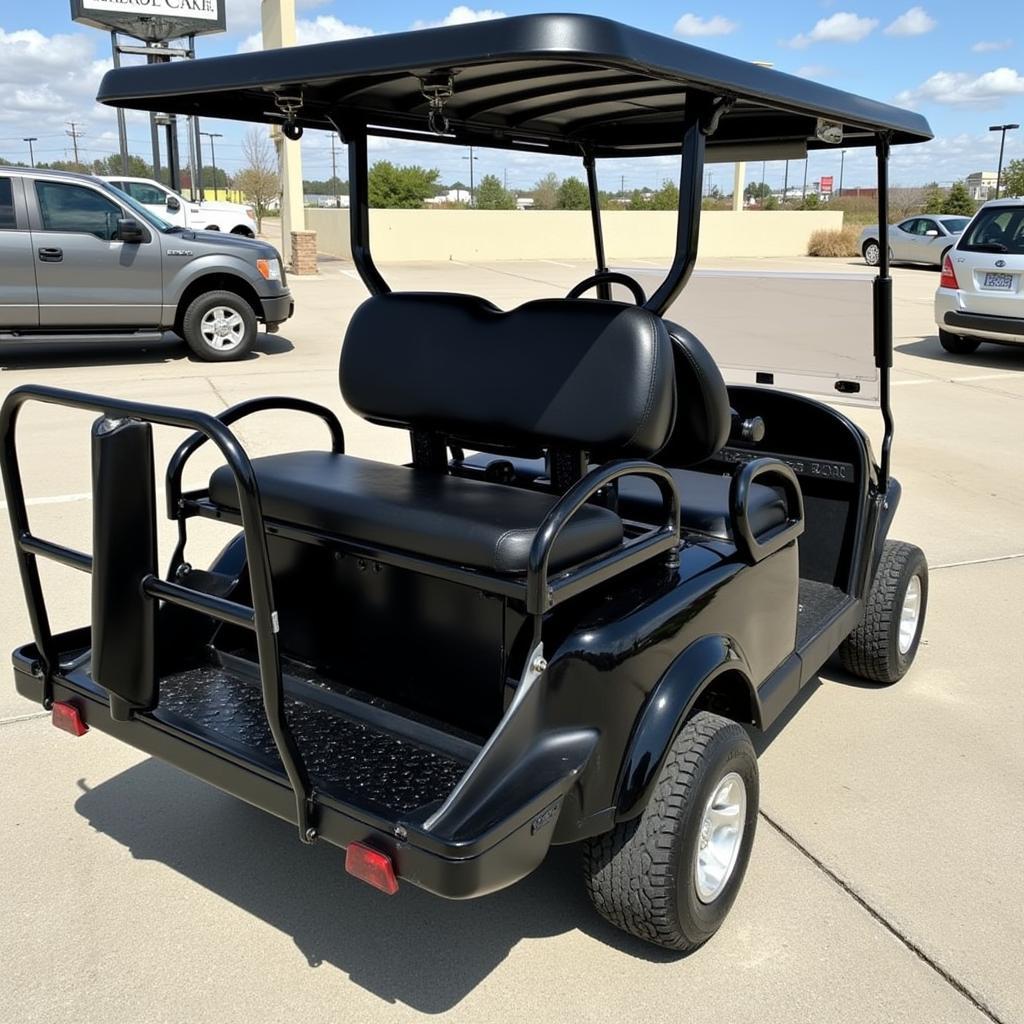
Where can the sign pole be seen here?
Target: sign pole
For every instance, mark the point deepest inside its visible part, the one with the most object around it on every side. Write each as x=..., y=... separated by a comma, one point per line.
x=122, y=131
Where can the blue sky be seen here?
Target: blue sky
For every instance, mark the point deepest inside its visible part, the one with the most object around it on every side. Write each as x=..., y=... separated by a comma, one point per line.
x=964, y=72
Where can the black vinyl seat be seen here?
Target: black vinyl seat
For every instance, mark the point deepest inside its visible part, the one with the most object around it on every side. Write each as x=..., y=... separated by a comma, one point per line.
x=703, y=503
x=467, y=522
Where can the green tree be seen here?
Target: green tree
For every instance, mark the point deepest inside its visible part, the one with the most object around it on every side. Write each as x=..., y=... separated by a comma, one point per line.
x=573, y=195
x=1012, y=181
x=400, y=188
x=327, y=187
x=545, y=192
x=812, y=201
x=934, y=200
x=111, y=166
x=639, y=200
x=492, y=195
x=666, y=198
x=757, y=190
x=958, y=200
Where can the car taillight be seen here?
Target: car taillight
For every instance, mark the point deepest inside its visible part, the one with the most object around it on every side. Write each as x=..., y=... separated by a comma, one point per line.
x=948, y=279
x=371, y=866
x=69, y=718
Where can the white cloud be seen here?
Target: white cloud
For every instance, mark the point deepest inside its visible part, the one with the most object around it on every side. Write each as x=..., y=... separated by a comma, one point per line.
x=693, y=25
x=462, y=15
x=915, y=22
x=841, y=27
x=991, y=46
x=814, y=71
x=322, y=29
x=959, y=88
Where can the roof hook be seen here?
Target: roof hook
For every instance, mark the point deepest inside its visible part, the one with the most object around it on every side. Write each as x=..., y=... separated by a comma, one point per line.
x=713, y=114
x=290, y=106
x=437, y=89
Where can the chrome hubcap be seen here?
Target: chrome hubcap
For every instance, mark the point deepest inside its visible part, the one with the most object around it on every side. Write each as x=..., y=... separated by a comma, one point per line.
x=871, y=254
x=721, y=835
x=910, y=615
x=222, y=328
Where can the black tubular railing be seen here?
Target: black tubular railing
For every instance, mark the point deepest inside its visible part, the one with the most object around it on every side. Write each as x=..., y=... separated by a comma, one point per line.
x=657, y=540
x=261, y=618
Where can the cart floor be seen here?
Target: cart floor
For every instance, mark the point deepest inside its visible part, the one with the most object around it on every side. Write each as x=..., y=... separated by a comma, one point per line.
x=818, y=603
x=353, y=750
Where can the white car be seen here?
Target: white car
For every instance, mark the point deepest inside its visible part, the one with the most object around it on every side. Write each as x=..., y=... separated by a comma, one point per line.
x=981, y=292
x=924, y=239
x=176, y=209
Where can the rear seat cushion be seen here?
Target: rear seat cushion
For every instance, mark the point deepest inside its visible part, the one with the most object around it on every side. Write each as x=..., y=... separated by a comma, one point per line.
x=467, y=522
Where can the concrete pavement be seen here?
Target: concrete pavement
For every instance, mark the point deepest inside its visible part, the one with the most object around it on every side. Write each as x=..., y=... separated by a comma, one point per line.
x=884, y=883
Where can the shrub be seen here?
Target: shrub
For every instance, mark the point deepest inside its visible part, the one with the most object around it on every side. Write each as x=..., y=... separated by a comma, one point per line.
x=834, y=243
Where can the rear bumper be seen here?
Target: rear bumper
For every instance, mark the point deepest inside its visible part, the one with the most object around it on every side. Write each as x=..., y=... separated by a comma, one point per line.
x=949, y=316
x=278, y=308
x=458, y=868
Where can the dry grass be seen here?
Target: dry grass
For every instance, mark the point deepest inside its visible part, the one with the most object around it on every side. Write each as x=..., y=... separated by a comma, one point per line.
x=835, y=243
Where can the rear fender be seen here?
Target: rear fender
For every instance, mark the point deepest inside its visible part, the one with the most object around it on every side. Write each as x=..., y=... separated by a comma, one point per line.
x=667, y=708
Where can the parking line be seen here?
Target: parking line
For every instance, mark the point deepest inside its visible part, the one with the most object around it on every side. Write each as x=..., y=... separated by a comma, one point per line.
x=352, y=274
x=986, y=376
x=978, y=561
x=557, y=263
x=53, y=499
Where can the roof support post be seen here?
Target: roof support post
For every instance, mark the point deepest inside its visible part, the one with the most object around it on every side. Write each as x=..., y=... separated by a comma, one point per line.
x=604, y=289
x=882, y=309
x=702, y=114
x=359, y=211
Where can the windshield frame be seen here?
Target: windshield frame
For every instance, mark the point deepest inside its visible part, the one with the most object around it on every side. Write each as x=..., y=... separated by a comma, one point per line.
x=147, y=215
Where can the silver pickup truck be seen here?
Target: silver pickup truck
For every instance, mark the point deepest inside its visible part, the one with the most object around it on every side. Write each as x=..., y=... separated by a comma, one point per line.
x=82, y=260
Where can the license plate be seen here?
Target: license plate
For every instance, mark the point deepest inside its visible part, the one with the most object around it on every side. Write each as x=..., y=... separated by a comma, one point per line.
x=999, y=281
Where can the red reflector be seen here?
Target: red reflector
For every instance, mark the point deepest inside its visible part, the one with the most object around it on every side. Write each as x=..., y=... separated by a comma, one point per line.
x=371, y=866
x=948, y=279
x=68, y=718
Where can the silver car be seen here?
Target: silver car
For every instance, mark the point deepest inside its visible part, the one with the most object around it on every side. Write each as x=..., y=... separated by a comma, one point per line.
x=924, y=239
x=981, y=292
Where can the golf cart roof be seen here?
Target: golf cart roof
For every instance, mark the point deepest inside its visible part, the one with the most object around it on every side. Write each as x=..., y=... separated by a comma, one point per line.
x=542, y=82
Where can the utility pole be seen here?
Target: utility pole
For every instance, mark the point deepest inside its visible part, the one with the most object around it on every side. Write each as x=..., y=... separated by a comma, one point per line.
x=213, y=156
x=842, y=163
x=76, y=133
x=785, y=185
x=31, y=155
x=1004, y=128
x=803, y=198
x=472, y=190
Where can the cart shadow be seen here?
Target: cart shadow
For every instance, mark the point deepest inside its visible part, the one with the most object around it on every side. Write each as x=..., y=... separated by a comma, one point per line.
x=67, y=355
x=988, y=357
x=413, y=948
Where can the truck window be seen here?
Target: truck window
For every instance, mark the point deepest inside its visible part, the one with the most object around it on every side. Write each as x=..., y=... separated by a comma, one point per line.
x=7, y=218
x=66, y=207
x=143, y=193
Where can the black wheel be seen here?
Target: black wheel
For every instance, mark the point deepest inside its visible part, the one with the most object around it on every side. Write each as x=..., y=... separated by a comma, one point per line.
x=957, y=343
x=670, y=875
x=883, y=646
x=243, y=231
x=219, y=326
x=871, y=252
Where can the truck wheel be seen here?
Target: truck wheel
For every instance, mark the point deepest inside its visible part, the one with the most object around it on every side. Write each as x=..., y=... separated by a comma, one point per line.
x=670, y=875
x=219, y=326
x=957, y=344
x=883, y=646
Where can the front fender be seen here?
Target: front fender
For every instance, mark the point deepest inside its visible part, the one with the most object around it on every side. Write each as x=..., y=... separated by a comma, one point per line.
x=664, y=713
x=220, y=263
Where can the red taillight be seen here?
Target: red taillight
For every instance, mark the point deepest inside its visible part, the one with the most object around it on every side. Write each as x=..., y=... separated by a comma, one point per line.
x=948, y=279
x=69, y=718
x=371, y=866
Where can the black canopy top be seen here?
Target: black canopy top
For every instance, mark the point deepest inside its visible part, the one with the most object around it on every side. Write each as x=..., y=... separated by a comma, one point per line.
x=556, y=82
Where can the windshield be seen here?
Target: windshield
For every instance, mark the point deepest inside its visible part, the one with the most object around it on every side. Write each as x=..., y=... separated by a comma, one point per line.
x=954, y=225
x=997, y=229
x=150, y=218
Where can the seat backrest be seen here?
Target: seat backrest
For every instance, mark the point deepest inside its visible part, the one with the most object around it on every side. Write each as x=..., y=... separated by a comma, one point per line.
x=578, y=374
x=703, y=416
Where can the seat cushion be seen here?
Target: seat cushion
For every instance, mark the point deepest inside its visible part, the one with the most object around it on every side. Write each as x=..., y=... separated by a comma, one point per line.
x=468, y=522
x=704, y=503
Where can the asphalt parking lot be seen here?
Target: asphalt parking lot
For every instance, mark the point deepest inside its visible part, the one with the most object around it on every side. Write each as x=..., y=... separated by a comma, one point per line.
x=885, y=882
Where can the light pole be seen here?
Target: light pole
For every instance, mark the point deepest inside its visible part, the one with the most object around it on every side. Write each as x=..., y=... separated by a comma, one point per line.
x=213, y=157
x=842, y=163
x=31, y=156
x=1004, y=128
x=472, y=191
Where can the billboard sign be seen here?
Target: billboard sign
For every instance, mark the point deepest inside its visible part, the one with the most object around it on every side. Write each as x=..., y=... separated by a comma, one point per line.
x=825, y=186
x=154, y=21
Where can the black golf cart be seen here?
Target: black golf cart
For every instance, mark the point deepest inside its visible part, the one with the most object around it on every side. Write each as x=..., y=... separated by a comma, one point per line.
x=601, y=569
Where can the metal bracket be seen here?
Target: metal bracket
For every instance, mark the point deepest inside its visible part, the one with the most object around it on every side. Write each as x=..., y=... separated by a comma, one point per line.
x=437, y=89
x=709, y=119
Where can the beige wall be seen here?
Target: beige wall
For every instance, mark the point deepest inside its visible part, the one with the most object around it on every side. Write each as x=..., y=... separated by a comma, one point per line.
x=473, y=235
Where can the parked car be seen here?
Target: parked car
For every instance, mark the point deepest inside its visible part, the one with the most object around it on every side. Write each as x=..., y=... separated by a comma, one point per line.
x=174, y=208
x=981, y=292
x=81, y=259
x=915, y=240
